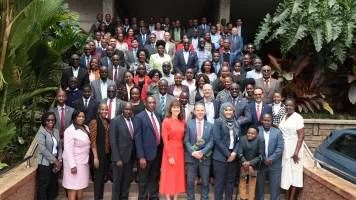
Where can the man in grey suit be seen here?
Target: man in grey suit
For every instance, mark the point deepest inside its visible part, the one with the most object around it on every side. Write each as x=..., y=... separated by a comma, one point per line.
x=122, y=152
x=131, y=54
x=63, y=113
x=269, y=85
x=106, y=60
x=271, y=166
x=170, y=47
x=151, y=47
x=163, y=100
x=117, y=72
x=195, y=130
x=99, y=87
x=114, y=104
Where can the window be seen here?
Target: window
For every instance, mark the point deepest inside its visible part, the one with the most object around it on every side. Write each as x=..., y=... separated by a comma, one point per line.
x=345, y=145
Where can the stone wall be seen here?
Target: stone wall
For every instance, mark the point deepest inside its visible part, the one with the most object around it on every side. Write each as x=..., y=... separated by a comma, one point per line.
x=316, y=130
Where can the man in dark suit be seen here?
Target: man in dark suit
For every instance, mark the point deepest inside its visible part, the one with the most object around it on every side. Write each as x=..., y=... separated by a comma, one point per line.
x=163, y=100
x=99, y=87
x=112, y=43
x=212, y=106
x=151, y=46
x=114, y=104
x=197, y=129
x=269, y=85
x=227, y=55
x=185, y=59
x=194, y=40
x=271, y=166
x=147, y=126
x=200, y=31
x=258, y=109
x=122, y=152
x=117, y=72
x=86, y=58
x=95, y=26
x=143, y=38
x=241, y=30
x=73, y=93
x=87, y=104
x=106, y=60
x=63, y=113
x=204, y=26
x=80, y=73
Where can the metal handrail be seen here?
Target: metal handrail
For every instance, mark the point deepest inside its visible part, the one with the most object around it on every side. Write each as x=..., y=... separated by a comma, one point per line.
x=317, y=161
x=27, y=158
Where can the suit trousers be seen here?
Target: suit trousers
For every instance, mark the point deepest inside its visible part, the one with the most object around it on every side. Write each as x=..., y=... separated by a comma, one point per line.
x=122, y=180
x=192, y=169
x=48, y=183
x=225, y=177
x=148, y=177
x=274, y=177
x=99, y=176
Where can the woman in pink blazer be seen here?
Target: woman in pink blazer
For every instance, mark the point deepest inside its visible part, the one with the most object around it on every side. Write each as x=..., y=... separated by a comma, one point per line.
x=76, y=157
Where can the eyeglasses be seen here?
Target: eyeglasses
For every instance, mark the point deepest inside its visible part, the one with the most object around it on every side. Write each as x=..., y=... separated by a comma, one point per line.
x=111, y=91
x=75, y=58
x=266, y=70
x=50, y=120
x=234, y=89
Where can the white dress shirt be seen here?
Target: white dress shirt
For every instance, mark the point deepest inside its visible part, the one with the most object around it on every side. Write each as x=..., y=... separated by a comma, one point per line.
x=157, y=124
x=167, y=46
x=104, y=89
x=113, y=107
x=128, y=125
x=238, y=30
x=232, y=139
x=55, y=144
x=266, y=135
x=186, y=56
x=210, y=111
x=75, y=72
x=87, y=100
x=195, y=42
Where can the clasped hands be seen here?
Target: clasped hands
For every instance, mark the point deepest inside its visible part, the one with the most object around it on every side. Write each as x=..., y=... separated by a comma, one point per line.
x=197, y=154
x=231, y=157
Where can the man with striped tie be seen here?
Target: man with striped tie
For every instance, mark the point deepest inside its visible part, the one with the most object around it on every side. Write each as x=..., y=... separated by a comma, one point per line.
x=163, y=99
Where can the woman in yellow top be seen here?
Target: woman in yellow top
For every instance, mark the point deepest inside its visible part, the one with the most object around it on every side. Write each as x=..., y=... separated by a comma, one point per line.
x=156, y=60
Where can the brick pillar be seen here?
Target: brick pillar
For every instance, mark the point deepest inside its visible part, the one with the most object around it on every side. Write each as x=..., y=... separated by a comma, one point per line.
x=109, y=7
x=224, y=10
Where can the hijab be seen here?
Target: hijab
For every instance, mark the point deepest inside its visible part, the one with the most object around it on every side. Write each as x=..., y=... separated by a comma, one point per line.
x=231, y=123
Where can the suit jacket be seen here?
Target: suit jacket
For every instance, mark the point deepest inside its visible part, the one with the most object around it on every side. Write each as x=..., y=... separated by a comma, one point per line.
x=207, y=28
x=116, y=52
x=68, y=112
x=238, y=44
x=244, y=35
x=130, y=57
x=231, y=61
x=45, y=147
x=181, y=33
x=140, y=40
x=216, y=108
x=121, y=142
x=104, y=62
x=169, y=99
x=150, y=50
x=171, y=89
x=191, y=30
x=275, y=148
x=96, y=89
x=266, y=109
x=171, y=50
x=274, y=86
x=190, y=139
x=221, y=135
x=145, y=136
x=83, y=61
x=91, y=112
x=241, y=110
x=189, y=112
x=83, y=77
x=119, y=103
x=121, y=75
x=179, y=62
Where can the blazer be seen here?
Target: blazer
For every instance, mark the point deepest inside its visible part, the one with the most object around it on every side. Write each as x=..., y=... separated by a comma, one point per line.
x=216, y=108
x=190, y=139
x=190, y=112
x=91, y=112
x=181, y=33
x=104, y=62
x=121, y=75
x=252, y=152
x=171, y=50
x=118, y=109
x=241, y=110
x=266, y=109
x=67, y=117
x=140, y=40
x=150, y=50
x=275, y=148
x=221, y=135
x=207, y=28
x=130, y=57
x=83, y=77
x=96, y=89
x=145, y=136
x=45, y=147
x=169, y=99
x=274, y=86
x=77, y=146
x=191, y=30
x=83, y=61
x=244, y=35
x=179, y=64
x=231, y=61
x=238, y=44
x=121, y=142
x=116, y=52
x=171, y=89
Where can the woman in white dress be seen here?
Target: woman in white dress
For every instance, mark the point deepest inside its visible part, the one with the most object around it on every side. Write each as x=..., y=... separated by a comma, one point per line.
x=292, y=127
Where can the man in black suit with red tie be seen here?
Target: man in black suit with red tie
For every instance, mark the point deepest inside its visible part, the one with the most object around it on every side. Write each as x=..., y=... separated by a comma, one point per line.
x=147, y=126
x=80, y=73
x=122, y=152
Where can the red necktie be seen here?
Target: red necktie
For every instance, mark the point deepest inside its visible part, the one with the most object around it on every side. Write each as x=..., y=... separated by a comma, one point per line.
x=62, y=123
x=115, y=75
x=267, y=85
x=88, y=65
x=258, y=113
x=233, y=43
x=131, y=129
x=199, y=132
x=109, y=111
x=234, y=103
x=156, y=129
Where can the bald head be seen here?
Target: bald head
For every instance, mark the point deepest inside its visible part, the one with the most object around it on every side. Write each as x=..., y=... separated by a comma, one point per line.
x=266, y=72
x=208, y=91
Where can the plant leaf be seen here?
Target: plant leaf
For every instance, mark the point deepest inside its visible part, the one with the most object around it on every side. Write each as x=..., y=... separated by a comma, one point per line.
x=7, y=132
x=316, y=104
x=317, y=35
x=274, y=62
x=287, y=75
x=327, y=107
x=301, y=62
x=308, y=105
x=20, y=140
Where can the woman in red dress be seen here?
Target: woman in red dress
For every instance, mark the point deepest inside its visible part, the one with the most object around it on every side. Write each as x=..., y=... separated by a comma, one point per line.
x=172, y=169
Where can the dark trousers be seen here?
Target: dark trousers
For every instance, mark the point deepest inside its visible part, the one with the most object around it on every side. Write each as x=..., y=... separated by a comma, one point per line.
x=192, y=169
x=121, y=180
x=148, y=178
x=99, y=176
x=48, y=183
x=274, y=177
x=225, y=178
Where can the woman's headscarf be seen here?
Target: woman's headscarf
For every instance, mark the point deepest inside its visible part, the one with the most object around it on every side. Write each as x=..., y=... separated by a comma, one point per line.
x=231, y=123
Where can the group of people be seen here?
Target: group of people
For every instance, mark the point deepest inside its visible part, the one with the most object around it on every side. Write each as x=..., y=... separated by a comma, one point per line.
x=216, y=117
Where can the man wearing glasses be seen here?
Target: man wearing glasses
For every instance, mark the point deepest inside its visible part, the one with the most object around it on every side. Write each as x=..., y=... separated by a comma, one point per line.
x=269, y=85
x=259, y=108
x=116, y=72
x=151, y=47
x=76, y=71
